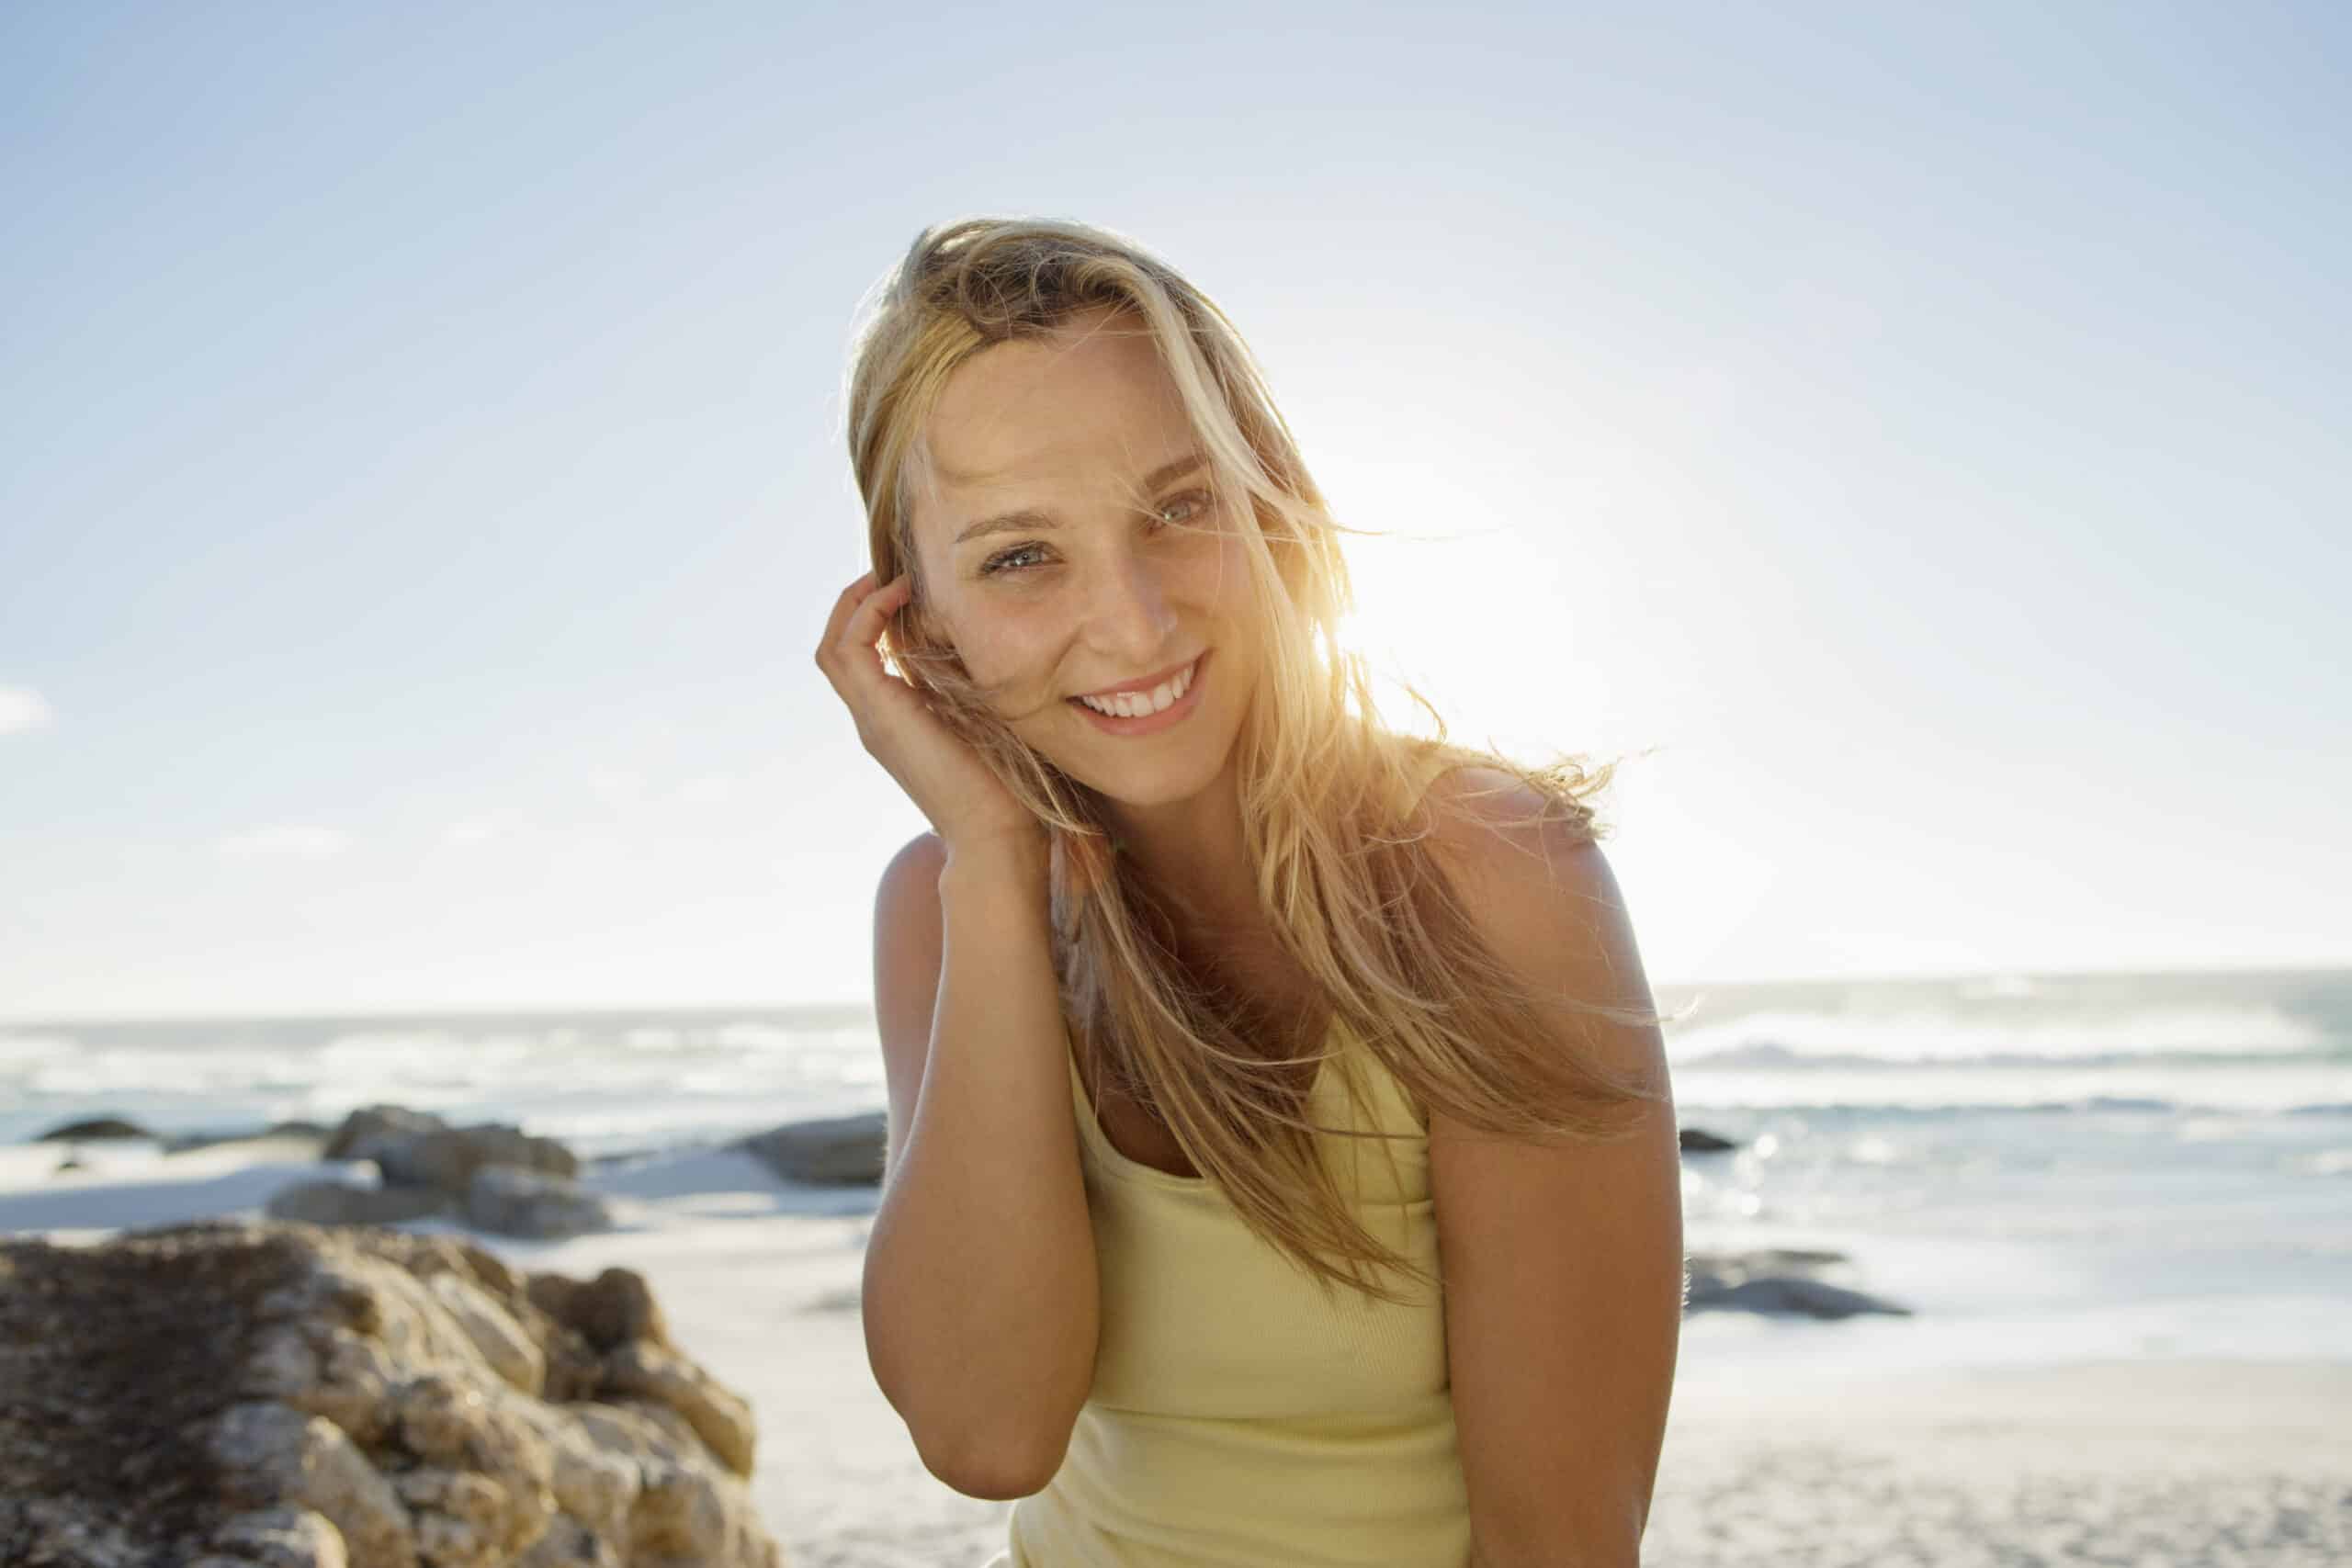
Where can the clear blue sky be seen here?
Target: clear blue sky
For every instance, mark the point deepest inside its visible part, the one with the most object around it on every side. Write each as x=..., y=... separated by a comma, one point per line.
x=1920, y=430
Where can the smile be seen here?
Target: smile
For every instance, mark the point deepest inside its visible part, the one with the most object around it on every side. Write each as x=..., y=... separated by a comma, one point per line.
x=1147, y=713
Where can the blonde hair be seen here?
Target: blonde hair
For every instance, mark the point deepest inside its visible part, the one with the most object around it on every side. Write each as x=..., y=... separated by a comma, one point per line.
x=1337, y=829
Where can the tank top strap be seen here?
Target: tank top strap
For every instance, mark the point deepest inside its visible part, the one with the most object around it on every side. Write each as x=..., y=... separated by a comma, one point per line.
x=1380, y=1151
x=1384, y=1153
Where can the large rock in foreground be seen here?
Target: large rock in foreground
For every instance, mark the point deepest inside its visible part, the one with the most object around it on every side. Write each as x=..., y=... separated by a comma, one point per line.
x=228, y=1394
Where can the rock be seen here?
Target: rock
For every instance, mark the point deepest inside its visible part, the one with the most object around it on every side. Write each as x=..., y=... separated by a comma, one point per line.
x=271, y=1455
x=611, y=1310
x=518, y=1202
x=448, y=1158
x=497, y=1176
x=340, y=1203
x=412, y=1148
x=719, y=1417
x=362, y=1129
x=230, y=1394
x=1776, y=1281
x=838, y=1151
x=92, y=1130
x=279, y=1538
x=1810, y=1298
x=504, y=1348
x=1699, y=1141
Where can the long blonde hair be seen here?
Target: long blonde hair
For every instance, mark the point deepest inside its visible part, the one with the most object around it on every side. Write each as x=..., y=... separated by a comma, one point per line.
x=1337, y=829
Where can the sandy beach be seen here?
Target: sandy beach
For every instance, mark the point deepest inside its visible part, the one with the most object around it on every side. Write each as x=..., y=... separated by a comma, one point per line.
x=2174, y=1461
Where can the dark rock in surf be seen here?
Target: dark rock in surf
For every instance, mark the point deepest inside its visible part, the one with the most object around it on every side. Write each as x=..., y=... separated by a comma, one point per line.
x=414, y=1148
x=1778, y=1282
x=840, y=1151
x=92, y=1130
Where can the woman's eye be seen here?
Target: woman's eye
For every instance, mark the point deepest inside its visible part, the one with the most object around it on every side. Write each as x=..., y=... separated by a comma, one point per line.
x=1011, y=561
x=1004, y=559
x=1200, y=500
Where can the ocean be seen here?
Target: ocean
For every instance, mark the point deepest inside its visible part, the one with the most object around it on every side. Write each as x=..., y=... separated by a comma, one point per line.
x=2043, y=1167
x=2035, y=1164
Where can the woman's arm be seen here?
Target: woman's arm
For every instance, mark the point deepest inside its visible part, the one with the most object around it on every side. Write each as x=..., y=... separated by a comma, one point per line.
x=1563, y=1264
x=979, y=1297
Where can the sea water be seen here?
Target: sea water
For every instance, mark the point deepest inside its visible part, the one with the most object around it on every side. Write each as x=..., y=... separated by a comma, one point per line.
x=2039, y=1166
x=2036, y=1165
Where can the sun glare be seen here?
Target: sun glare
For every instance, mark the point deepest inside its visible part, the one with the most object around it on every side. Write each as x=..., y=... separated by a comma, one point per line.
x=1450, y=597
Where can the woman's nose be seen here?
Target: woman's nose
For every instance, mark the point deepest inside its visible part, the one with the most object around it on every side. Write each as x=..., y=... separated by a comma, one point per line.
x=1127, y=611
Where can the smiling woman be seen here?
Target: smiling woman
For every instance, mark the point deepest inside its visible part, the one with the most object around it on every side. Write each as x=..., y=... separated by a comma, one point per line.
x=1213, y=1005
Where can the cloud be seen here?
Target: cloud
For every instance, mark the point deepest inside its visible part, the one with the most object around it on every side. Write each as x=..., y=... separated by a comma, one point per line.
x=290, y=840
x=21, y=709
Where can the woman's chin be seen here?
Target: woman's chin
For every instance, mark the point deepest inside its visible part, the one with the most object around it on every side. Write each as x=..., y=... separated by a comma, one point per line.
x=1143, y=782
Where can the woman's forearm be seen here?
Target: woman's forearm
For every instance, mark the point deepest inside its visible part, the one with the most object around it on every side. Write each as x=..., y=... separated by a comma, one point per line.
x=980, y=1293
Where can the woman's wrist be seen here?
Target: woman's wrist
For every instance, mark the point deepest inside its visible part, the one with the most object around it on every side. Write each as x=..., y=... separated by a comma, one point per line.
x=1018, y=853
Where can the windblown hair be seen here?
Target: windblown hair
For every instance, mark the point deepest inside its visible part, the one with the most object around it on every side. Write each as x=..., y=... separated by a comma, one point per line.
x=1338, y=829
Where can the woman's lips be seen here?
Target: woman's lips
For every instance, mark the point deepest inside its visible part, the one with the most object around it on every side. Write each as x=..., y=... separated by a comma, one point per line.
x=1150, y=723
x=1146, y=686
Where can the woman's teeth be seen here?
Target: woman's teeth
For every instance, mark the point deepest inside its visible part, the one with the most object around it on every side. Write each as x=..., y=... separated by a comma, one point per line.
x=1135, y=704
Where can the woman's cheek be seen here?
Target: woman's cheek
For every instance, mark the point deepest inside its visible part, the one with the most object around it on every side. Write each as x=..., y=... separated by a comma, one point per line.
x=1016, y=675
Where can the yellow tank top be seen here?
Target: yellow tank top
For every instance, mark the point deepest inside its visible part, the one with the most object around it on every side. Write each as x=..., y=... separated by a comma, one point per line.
x=1236, y=1419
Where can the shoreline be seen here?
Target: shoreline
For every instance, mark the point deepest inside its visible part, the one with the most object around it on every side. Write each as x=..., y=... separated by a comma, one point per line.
x=1788, y=1443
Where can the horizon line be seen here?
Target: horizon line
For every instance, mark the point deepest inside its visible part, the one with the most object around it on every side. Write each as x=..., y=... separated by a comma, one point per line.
x=865, y=1003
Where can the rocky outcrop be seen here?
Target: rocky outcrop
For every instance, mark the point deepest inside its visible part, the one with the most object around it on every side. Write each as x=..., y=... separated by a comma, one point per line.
x=415, y=1148
x=231, y=1394
x=840, y=1151
x=1777, y=1280
x=1699, y=1141
x=491, y=1176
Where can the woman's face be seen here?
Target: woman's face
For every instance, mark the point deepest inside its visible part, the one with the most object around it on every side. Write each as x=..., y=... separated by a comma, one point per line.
x=1086, y=588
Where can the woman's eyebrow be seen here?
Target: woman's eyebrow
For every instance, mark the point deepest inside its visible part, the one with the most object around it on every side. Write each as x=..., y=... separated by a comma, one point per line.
x=1030, y=518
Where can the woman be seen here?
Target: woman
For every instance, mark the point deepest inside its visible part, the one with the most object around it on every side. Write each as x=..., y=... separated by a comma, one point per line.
x=1283, y=1165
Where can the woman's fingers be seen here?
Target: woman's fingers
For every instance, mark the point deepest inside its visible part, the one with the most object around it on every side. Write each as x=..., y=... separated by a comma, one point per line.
x=855, y=630
x=873, y=613
x=842, y=607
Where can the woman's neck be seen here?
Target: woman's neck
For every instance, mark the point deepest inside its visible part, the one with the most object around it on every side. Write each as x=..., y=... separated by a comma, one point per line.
x=1192, y=854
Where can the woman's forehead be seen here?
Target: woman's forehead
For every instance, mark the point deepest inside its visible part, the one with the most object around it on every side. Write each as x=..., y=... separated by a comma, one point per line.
x=1023, y=412
x=989, y=455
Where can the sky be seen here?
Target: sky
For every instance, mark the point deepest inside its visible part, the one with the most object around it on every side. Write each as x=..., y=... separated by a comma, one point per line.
x=1909, y=437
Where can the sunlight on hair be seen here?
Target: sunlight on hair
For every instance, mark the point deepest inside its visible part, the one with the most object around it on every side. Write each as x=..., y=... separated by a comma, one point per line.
x=1501, y=597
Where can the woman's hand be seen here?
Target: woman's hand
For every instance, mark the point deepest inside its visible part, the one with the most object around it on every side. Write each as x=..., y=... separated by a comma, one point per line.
x=938, y=769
